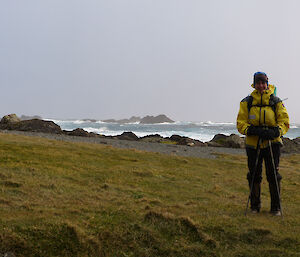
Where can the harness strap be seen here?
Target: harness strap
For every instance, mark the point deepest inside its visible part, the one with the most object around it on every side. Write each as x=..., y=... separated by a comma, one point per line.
x=274, y=100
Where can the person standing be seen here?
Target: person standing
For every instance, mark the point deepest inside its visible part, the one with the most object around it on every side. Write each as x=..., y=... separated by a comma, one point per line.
x=263, y=118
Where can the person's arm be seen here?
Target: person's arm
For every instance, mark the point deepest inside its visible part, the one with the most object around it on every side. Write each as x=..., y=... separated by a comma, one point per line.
x=283, y=121
x=242, y=118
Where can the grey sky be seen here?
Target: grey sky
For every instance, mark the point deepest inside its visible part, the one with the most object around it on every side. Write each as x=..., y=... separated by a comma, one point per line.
x=191, y=60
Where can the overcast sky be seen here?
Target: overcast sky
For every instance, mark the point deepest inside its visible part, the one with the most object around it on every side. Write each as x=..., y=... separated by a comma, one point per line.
x=192, y=60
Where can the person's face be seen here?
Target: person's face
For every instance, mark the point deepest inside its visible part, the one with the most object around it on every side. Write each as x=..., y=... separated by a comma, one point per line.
x=261, y=86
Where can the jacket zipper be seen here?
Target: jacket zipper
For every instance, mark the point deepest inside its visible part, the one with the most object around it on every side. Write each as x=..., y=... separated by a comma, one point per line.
x=260, y=110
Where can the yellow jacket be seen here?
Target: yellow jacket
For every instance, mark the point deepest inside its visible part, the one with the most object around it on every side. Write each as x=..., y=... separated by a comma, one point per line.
x=261, y=113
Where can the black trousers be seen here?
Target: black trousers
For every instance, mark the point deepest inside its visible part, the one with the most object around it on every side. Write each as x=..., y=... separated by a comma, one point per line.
x=265, y=154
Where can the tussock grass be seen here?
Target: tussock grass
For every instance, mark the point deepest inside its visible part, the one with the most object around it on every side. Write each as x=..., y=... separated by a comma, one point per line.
x=76, y=199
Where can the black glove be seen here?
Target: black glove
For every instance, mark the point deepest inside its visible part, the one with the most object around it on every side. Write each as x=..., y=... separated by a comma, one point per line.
x=254, y=130
x=269, y=133
x=277, y=131
x=274, y=132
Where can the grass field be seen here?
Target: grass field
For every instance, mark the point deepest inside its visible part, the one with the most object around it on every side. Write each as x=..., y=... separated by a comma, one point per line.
x=77, y=199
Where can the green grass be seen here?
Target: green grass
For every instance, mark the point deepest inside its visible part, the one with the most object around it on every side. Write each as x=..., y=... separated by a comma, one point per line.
x=75, y=199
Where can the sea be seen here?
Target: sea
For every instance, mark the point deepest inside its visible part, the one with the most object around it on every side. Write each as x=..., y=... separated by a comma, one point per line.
x=203, y=131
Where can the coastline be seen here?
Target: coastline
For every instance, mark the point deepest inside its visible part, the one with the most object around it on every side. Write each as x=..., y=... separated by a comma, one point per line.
x=169, y=149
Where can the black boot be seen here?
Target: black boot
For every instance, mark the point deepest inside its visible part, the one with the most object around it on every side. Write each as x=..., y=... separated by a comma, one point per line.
x=275, y=204
x=255, y=197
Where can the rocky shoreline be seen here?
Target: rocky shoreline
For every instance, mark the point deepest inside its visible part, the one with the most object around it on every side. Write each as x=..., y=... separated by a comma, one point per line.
x=170, y=149
x=172, y=145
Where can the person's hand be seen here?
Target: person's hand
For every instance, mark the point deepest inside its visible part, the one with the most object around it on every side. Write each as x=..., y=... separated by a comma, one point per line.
x=270, y=133
x=273, y=132
x=266, y=133
x=276, y=131
x=254, y=130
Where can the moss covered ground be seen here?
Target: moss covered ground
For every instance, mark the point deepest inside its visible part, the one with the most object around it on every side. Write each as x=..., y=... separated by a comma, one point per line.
x=77, y=199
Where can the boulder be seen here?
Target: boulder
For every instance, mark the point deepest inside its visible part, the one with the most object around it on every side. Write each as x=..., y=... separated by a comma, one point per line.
x=219, y=138
x=232, y=141
x=181, y=140
x=158, y=119
x=235, y=141
x=81, y=133
x=152, y=138
x=10, y=118
x=290, y=146
x=34, y=125
x=128, y=136
x=214, y=144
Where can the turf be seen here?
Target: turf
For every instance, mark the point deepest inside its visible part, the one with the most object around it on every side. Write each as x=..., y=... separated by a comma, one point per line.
x=78, y=199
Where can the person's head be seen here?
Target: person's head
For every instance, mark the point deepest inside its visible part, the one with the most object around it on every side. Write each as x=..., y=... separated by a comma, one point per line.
x=260, y=81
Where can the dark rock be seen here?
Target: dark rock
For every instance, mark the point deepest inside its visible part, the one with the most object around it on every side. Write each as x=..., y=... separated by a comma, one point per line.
x=34, y=125
x=25, y=117
x=176, y=138
x=214, y=144
x=133, y=119
x=128, y=136
x=232, y=141
x=181, y=140
x=218, y=138
x=235, y=141
x=146, y=120
x=152, y=138
x=158, y=119
x=81, y=133
x=10, y=118
x=290, y=146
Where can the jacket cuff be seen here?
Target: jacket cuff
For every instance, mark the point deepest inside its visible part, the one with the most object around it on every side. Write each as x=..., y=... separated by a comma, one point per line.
x=280, y=131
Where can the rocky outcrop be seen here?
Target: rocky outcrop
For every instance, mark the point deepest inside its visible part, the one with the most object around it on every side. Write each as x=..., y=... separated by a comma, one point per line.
x=235, y=141
x=80, y=133
x=146, y=120
x=152, y=138
x=290, y=146
x=10, y=118
x=232, y=141
x=181, y=140
x=154, y=120
x=12, y=122
x=217, y=141
x=127, y=136
x=34, y=125
x=133, y=119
